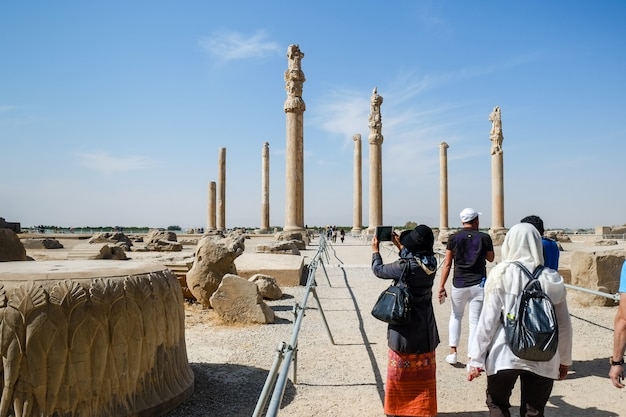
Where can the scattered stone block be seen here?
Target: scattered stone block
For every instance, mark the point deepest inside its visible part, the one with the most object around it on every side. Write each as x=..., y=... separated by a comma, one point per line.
x=115, y=238
x=154, y=235
x=268, y=287
x=284, y=247
x=287, y=270
x=598, y=271
x=11, y=248
x=238, y=300
x=97, y=251
x=42, y=243
x=163, y=246
x=214, y=257
x=297, y=237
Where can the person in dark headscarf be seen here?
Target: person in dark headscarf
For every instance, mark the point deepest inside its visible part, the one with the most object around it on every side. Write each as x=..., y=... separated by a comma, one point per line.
x=411, y=388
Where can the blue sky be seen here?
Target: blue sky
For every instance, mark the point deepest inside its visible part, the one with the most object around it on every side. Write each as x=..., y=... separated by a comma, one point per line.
x=113, y=113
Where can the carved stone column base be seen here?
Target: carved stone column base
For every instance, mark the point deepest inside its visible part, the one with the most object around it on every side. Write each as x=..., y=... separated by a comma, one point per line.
x=92, y=338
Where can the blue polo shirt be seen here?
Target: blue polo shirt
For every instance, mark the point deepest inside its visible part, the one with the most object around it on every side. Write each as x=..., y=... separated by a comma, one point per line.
x=622, y=279
x=550, y=253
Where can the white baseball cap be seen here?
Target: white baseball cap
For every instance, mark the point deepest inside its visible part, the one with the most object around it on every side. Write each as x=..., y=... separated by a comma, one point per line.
x=469, y=214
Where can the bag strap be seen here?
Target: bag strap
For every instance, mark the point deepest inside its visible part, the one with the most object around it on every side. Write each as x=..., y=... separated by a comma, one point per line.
x=535, y=274
x=531, y=277
x=405, y=271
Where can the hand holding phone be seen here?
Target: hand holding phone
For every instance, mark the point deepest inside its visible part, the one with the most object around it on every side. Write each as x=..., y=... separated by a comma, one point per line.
x=383, y=233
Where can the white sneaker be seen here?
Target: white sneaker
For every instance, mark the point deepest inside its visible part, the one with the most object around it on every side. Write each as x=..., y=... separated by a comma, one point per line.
x=451, y=358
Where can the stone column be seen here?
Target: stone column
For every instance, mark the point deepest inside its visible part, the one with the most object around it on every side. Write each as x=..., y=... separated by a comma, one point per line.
x=376, y=169
x=357, y=224
x=443, y=189
x=221, y=190
x=211, y=217
x=497, y=171
x=294, y=153
x=265, y=187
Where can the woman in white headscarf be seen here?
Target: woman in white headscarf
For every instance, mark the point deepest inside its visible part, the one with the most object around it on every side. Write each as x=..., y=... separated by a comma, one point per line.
x=489, y=350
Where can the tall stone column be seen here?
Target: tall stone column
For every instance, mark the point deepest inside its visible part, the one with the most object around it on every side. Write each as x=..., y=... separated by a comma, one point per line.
x=443, y=189
x=357, y=213
x=497, y=171
x=265, y=187
x=294, y=157
x=210, y=226
x=376, y=168
x=221, y=190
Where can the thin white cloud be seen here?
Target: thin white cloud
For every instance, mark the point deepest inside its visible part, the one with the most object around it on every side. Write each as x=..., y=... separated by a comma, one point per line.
x=231, y=46
x=106, y=163
x=343, y=113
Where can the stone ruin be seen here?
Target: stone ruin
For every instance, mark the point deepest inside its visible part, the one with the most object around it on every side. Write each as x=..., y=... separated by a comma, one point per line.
x=214, y=257
x=598, y=271
x=162, y=240
x=214, y=283
x=41, y=243
x=77, y=341
x=11, y=248
x=238, y=300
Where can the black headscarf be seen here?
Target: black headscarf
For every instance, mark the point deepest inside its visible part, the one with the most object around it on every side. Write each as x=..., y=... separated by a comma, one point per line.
x=418, y=241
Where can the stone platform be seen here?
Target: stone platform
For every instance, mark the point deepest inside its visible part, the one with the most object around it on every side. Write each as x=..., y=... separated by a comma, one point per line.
x=92, y=338
x=286, y=269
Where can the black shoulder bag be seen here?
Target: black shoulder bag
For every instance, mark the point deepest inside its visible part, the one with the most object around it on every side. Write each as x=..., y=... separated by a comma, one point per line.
x=394, y=304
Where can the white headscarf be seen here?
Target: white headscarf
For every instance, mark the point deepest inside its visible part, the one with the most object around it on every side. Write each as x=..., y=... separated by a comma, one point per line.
x=522, y=243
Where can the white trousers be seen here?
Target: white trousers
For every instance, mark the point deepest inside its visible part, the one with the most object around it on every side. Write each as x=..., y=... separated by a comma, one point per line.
x=459, y=298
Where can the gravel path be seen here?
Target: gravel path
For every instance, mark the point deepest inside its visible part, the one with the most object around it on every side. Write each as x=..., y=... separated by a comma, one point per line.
x=346, y=378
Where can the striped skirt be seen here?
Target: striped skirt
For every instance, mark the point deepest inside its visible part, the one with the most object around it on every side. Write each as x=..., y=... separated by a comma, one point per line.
x=411, y=388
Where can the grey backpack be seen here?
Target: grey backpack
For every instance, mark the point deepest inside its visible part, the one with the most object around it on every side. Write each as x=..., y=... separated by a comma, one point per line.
x=531, y=328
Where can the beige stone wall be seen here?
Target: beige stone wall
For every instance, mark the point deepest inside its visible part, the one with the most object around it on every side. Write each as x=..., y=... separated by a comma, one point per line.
x=597, y=272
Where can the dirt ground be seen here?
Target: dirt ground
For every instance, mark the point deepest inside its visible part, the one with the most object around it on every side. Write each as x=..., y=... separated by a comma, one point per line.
x=341, y=350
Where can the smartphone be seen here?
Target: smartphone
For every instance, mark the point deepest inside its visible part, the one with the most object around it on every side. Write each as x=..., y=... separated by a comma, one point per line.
x=383, y=233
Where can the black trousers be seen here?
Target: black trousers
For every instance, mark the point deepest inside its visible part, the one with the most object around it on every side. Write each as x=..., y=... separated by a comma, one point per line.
x=535, y=391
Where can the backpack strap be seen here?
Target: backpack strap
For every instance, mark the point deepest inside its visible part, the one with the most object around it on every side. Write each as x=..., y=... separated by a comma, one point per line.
x=531, y=277
x=535, y=274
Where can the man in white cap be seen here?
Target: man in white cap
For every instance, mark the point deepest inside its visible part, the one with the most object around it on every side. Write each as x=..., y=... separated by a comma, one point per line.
x=469, y=249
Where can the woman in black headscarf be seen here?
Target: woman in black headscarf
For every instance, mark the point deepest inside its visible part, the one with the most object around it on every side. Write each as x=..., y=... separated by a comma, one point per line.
x=411, y=388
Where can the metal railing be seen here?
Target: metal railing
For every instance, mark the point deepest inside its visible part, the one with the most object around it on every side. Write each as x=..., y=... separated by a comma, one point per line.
x=615, y=236
x=614, y=297
x=286, y=353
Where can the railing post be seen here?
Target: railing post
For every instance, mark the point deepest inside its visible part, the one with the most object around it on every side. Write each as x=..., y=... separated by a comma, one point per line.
x=291, y=350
